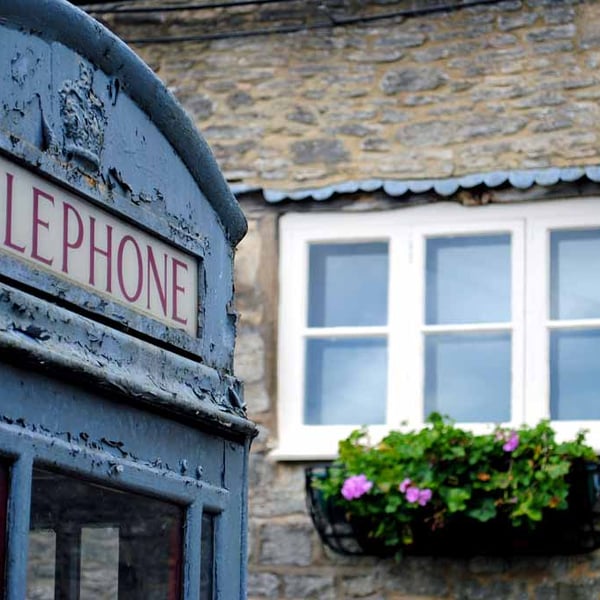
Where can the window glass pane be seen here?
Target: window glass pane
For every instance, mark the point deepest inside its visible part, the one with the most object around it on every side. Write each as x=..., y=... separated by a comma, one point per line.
x=40, y=568
x=575, y=374
x=91, y=542
x=346, y=381
x=575, y=274
x=468, y=279
x=348, y=284
x=99, y=563
x=207, y=557
x=467, y=376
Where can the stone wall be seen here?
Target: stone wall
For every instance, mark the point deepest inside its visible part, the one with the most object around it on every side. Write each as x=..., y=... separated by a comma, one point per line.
x=507, y=85
x=510, y=85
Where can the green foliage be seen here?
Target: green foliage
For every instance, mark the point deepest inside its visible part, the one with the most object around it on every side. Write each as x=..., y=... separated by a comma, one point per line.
x=515, y=474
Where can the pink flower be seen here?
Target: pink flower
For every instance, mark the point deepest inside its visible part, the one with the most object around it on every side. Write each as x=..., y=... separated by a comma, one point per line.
x=512, y=442
x=356, y=486
x=405, y=485
x=424, y=496
x=412, y=494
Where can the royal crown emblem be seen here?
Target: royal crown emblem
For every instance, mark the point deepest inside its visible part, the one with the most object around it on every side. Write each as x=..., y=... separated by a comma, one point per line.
x=84, y=118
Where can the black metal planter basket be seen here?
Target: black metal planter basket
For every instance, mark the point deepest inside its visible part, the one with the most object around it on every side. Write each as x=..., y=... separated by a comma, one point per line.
x=571, y=531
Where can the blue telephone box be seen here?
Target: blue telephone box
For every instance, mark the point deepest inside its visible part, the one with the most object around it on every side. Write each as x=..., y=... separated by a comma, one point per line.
x=123, y=436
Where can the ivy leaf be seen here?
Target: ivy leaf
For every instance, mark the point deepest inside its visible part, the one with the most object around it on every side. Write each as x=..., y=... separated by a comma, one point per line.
x=485, y=511
x=456, y=499
x=557, y=470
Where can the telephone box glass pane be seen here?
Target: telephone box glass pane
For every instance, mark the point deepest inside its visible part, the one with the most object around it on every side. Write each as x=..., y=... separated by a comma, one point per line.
x=89, y=542
x=207, y=557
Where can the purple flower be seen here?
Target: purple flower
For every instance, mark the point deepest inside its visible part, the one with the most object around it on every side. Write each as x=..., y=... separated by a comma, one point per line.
x=424, y=496
x=512, y=442
x=405, y=485
x=355, y=486
x=412, y=494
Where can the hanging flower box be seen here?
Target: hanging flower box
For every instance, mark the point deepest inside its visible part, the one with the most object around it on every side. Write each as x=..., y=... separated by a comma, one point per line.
x=444, y=491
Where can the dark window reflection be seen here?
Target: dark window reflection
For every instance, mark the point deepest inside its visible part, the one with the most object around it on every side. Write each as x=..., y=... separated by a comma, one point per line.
x=3, y=505
x=207, y=558
x=88, y=542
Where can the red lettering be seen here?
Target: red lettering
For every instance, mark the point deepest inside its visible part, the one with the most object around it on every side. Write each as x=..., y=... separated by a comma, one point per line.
x=67, y=243
x=120, y=269
x=176, y=289
x=9, y=212
x=37, y=194
x=107, y=253
x=161, y=287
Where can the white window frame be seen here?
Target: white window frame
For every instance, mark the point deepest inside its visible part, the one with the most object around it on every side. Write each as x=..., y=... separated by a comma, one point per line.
x=406, y=231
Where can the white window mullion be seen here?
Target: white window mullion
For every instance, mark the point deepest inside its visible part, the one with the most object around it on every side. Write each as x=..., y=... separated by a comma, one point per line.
x=518, y=293
x=400, y=350
x=414, y=290
x=293, y=276
x=537, y=389
x=355, y=332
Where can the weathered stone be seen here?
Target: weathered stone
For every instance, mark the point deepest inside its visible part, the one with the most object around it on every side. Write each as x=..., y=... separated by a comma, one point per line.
x=319, y=150
x=263, y=585
x=480, y=125
x=558, y=15
x=301, y=115
x=381, y=56
x=545, y=98
x=372, y=144
x=393, y=116
x=407, y=577
x=431, y=54
x=507, y=590
x=401, y=40
x=546, y=592
x=552, y=123
x=249, y=356
x=587, y=589
x=354, y=130
x=286, y=545
x=430, y=132
x=487, y=565
x=201, y=107
x=510, y=22
x=309, y=586
x=257, y=398
x=238, y=99
x=554, y=47
x=411, y=80
x=359, y=586
x=545, y=34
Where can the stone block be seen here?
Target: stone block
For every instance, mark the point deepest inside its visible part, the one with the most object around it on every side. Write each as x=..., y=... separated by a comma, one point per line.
x=263, y=585
x=359, y=586
x=318, y=150
x=307, y=586
x=408, y=577
x=412, y=80
x=286, y=545
x=249, y=357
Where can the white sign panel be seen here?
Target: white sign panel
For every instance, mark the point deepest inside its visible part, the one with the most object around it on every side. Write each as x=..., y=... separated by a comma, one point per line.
x=55, y=230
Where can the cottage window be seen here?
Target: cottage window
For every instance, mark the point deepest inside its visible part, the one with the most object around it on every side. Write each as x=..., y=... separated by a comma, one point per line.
x=489, y=315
